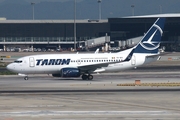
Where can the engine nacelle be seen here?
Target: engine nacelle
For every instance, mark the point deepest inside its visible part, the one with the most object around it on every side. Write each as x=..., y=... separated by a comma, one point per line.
x=68, y=72
x=56, y=75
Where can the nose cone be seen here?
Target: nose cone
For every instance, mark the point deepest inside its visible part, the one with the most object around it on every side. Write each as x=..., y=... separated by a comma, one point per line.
x=10, y=67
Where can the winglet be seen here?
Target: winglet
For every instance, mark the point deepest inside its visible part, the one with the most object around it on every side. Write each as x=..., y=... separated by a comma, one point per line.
x=130, y=55
x=97, y=51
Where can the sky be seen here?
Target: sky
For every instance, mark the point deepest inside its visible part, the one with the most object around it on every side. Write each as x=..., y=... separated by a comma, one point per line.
x=86, y=9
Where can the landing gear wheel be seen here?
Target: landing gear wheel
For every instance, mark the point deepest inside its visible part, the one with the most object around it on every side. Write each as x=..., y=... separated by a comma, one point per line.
x=26, y=78
x=84, y=77
x=90, y=77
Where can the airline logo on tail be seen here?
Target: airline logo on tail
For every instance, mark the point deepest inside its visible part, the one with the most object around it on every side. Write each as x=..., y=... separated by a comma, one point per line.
x=153, y=44
x=151, y=41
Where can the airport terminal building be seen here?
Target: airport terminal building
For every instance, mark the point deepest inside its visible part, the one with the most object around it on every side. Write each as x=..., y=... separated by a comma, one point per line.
x=60, y=33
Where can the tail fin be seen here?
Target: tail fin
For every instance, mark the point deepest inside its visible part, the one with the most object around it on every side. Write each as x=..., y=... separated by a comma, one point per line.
x=151, y=40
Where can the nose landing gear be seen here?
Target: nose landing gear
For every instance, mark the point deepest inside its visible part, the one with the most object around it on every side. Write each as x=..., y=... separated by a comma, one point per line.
x=24, y=75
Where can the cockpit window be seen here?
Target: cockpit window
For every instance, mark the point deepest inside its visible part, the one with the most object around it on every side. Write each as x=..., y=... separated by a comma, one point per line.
x=18, y=61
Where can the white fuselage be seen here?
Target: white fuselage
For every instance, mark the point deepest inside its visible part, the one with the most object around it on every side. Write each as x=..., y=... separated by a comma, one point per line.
x=53, y=63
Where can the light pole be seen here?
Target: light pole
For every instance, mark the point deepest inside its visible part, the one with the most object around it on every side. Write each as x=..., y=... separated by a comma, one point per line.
x=33, y=8
x=74, y=25
x=132, y=6
x=99, y=1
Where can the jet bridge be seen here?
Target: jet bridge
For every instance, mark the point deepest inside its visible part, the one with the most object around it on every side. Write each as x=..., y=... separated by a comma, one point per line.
x=97, y=42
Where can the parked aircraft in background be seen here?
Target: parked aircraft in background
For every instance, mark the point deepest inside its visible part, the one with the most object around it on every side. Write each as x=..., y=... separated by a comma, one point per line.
x=76, y=65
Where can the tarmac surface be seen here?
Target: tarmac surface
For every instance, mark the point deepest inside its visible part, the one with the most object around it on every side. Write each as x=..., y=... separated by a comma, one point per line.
x=43, y=97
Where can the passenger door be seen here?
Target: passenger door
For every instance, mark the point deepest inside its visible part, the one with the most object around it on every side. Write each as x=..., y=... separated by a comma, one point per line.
x=133, y=60
x=31, y=62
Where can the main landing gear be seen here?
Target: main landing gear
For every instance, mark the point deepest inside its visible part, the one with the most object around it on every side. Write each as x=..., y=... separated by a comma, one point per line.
x=87, y=77
x=24, y=75
x=26, y=78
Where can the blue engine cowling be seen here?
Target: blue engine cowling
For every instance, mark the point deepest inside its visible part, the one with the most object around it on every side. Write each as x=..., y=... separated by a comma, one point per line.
x=68, y=72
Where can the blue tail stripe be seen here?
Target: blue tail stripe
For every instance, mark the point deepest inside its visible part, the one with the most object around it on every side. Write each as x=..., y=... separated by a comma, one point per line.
x=151, y=41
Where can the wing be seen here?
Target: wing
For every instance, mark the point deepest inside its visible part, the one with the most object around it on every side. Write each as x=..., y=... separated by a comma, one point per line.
x=93, y=67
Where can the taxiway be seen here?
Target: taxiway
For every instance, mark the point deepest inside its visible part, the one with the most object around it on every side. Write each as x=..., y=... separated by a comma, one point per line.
x=44, y=97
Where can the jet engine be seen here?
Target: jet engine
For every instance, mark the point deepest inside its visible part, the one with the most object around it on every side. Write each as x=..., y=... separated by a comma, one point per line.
x=68, y=72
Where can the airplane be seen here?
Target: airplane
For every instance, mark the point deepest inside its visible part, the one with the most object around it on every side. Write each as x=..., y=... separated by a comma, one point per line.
x=84, y=65
x=65, y=65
